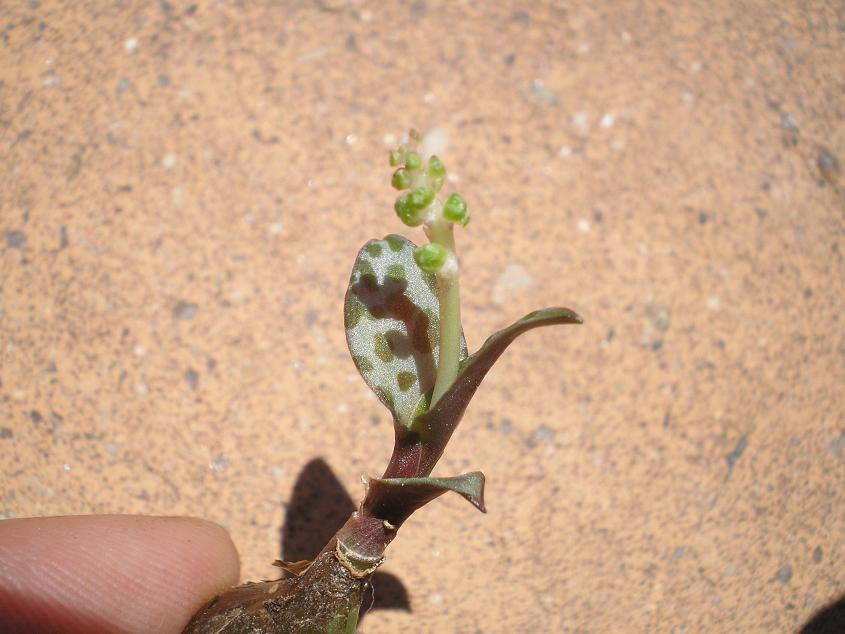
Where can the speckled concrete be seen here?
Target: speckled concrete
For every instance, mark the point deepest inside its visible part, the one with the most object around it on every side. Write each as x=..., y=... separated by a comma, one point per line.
x=184, y=188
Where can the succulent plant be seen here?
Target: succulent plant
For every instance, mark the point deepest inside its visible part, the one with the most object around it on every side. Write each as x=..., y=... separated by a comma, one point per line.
x=403, y=328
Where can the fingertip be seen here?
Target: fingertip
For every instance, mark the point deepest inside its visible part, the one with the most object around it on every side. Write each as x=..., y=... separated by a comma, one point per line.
x=122, y=573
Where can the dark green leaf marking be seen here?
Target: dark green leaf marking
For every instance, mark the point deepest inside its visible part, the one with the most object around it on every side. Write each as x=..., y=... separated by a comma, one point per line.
x=382, y=348
x=396, y=243
x=406, y=380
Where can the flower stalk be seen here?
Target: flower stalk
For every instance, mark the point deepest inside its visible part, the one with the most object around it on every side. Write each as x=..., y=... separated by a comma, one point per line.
x=422, y=207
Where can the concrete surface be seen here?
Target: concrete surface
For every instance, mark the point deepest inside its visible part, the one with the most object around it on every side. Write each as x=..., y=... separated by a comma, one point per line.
x=184, y=188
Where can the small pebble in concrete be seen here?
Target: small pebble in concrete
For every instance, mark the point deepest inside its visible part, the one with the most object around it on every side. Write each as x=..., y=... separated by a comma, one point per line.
x=185, y=310
x=15, y=239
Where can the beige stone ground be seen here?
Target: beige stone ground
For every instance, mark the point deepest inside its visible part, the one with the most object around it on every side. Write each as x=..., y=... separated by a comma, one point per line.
x=184, y=188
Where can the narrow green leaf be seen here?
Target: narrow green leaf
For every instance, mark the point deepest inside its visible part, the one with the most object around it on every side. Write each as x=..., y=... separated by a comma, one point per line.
x=392, y=329
x=436, y=425
x=400, y=497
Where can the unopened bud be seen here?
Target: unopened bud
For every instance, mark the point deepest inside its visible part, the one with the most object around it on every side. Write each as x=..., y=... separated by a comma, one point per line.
x=430, y=257
x=421, y=197
x=455, y=209
x=413, y=161
x=401, y=179
x=408, y=214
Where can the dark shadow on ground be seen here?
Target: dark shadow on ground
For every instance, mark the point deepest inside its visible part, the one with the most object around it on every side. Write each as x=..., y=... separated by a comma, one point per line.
x=318, y=507
x=829, y=620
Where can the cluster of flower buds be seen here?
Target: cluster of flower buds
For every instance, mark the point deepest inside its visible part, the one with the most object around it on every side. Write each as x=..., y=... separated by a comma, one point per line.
x=419, y=205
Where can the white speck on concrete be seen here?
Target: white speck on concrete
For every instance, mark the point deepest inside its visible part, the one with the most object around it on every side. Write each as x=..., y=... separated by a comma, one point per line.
x=313, y=55
x=298, y=365
x=688, y=97
x=139, y=351
x=625, y=36
x=141, y=389
x=583, y=226
x=607, y=121
x=342, y=408
x=436, y=598
x=714, y=303
x=581, y=121
x=695, y=67
x=543, y=94
x=351, y=139
x=168, y=161
x=66, y=468
x=429, y=97
x=131, y=45
x=218, y=464
x=178, y=196
x=112, y=447
x=565, y=150
x=389, y=139
x=275, y=228
x=513, y=279
x=435, y=141
x=617, y=145
x=583, y=48
x=53, y=80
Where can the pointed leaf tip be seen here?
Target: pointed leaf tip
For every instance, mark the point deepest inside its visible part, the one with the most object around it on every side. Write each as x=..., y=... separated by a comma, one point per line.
x=403, y=496
x=437, y=424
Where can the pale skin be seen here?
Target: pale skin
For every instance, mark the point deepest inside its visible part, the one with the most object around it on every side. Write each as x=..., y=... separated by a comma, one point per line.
x=110, y=573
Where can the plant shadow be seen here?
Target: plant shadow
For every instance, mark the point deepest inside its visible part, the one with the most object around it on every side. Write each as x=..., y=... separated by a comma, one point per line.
x=318, y=507
x=829, y=620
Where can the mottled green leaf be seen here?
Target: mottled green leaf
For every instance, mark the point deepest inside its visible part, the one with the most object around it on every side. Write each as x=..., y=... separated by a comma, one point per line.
x=399, y=497
x=392, y=330
x=436, y=425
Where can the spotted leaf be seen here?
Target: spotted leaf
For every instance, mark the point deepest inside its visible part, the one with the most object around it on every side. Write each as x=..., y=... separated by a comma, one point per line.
x=391, y=318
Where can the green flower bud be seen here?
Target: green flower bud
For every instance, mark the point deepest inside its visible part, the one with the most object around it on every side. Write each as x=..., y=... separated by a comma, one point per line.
x=436, y=169
x=401, y=179
x=430, y=257
x=455, y=209
x=395, y=158
x=421, y=197
x=413, y=161
x=407, y=213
